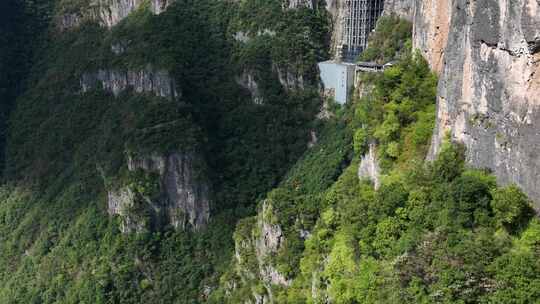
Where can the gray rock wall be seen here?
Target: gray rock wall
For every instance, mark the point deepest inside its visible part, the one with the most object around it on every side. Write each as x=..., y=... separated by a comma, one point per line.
x=338, y=11
x=107, y=13
x=369, y=167
x=248, y=81
x=158, y=83
x=402, y=8
x=486, y=53
x=294, y=4
x=183, y=201
x=255, y=246
x=431, y=30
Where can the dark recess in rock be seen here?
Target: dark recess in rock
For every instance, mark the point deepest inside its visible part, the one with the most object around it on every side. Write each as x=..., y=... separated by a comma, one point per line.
x=534, y=46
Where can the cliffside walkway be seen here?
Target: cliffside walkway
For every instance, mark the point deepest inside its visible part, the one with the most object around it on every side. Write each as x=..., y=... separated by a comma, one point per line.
x=372, y=67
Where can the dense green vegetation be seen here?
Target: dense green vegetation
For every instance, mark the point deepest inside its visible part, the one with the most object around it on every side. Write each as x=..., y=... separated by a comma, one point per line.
x=295, y=206
x=21, y=24
x=389, y=41
x=65, y=148
x=432, y=233
x=399, y=113
x=436, y=232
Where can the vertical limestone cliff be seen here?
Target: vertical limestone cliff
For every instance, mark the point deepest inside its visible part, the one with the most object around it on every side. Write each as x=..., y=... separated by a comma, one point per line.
x=369, y=167
x=107, y=13
x=257, y=242
x=166, y=190
x=158, y=83
x=431, y=29
x=402, y=8
x=337, y=10
x=487, y=53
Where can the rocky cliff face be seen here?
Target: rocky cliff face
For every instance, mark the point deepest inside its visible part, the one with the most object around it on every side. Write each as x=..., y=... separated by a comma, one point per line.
x=431, y=30
x=402, y=8
x=487, y=55
x=107, y=13
x=369, y=166
x=158, y=83
x=293, y=4
x=181, y=198
x=248, y=81
x=338, y=11
x=255, y=247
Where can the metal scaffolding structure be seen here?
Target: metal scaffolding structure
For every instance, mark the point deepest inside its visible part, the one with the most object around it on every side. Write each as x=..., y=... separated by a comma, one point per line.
x=360, y=19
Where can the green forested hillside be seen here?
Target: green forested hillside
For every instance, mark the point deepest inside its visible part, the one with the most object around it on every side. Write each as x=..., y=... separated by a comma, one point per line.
x=432, y=233
x=65, y=147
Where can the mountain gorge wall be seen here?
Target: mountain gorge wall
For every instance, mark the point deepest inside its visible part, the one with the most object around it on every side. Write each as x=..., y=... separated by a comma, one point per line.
x=158, y=83
x=107, y=13
x=182, y=197
x=487, y=54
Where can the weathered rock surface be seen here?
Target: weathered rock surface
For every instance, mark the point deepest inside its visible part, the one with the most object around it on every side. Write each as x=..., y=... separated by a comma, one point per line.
x=268, y=244
x=248, y=81
x=107, y=13
x=122, y=202
x=289, y=77
x=369, y=167
x=486, y=53
x=255, y=246
x=431, y=30
x=338, y=11
x=183, y=200
x=160, y=6
x=402, y=8
x=294, y=4
x=159, y=83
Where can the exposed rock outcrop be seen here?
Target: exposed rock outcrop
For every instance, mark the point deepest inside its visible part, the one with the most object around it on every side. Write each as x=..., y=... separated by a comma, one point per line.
x=289, y=77
x=182, y=197
x=338, y=11
x=369, y=167
x=257, y=241
x=248, y=81
x=107, y=13
x=294, y=4
x=159, y=83
x=123, y=202
x=489, y=92
x=431, y=30
x=160, y=6
x=401, y=8
x=268, y=243
x=245, y=36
